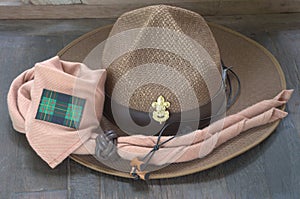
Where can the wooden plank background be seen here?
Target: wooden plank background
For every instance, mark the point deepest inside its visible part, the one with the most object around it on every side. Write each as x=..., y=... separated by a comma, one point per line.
x=15, y=9
x=269, y=170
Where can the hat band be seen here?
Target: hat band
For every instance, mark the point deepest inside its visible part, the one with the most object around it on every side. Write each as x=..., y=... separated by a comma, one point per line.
x=174, y=121
x=53, y=142
x=140, y=149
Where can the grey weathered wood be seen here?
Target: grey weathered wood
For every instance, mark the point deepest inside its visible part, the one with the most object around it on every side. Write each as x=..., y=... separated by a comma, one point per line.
x=110, y=9
x=244, y=178
x=88, y=180
x=58, y=28
x=21, y=169
x=282, y=168
x=270, y=170
x=59, y=194
x=280, y=153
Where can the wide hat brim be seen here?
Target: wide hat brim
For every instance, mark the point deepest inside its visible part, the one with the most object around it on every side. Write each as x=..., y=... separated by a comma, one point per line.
x=261, y=78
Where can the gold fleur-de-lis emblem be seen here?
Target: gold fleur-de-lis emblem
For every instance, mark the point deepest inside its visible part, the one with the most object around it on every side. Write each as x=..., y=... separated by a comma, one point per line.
x=160, y=114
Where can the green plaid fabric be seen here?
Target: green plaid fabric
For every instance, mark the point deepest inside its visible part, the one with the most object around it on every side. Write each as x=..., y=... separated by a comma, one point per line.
x=60, y=108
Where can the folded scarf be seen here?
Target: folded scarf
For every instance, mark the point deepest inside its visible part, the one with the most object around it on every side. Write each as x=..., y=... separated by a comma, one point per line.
x=59, y=104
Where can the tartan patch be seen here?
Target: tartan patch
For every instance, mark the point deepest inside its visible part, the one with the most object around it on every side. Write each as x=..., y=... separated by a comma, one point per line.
x=60, y=108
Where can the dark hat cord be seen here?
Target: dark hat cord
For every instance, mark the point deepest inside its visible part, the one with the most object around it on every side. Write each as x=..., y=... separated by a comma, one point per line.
x=139, y=166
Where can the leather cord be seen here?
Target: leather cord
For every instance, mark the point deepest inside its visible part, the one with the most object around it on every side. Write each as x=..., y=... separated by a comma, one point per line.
x=230, y=101
x=226, y=82
x=206, y=115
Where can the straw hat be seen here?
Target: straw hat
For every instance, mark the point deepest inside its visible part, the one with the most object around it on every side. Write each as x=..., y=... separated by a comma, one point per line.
x=182, y=70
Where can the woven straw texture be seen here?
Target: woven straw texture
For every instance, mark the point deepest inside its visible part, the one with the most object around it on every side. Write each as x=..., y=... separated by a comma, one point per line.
x=261, y=78
x=171, y=18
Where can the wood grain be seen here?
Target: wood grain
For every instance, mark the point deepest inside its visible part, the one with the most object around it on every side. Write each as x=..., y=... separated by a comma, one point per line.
x=285, y=166
x=10, y=2
x=107, y=9
x=270, y=170
x=89, y=181
x=18, y=161
x=59, y=194
x=51, y=2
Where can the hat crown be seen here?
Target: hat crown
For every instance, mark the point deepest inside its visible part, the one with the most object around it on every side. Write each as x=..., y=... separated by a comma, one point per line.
x=160, y=58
